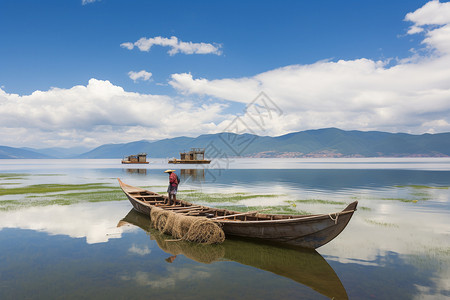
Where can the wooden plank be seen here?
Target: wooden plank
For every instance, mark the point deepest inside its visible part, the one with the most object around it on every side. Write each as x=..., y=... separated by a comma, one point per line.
x=235, y=215
x=166, y=206
x=199, y=209
x=154, y=202
x=184, y=207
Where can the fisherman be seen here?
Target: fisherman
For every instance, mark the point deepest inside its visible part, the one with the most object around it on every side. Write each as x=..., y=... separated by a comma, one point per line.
x=174, y=180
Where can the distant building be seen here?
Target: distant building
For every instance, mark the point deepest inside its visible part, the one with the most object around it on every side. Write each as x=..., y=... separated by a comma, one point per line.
x=140, y=158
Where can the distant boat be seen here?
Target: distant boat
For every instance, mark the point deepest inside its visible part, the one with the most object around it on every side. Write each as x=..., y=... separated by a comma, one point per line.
x=308, y=231
x=304, y=266
x=140, y=158
x=195, y=156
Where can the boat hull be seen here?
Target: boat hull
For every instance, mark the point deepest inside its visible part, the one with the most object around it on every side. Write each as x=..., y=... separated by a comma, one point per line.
x=309, y=233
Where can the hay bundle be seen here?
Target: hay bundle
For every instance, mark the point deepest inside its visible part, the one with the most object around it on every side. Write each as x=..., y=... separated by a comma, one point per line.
x=159, y=218
x=205, y=231
x=181, y=225
x=188, y=228
x=154, y=212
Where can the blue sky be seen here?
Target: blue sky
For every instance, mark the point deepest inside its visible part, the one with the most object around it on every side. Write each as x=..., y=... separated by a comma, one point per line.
x=69, y=70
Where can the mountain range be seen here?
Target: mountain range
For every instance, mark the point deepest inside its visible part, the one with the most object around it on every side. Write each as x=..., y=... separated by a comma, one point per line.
x=328, y=142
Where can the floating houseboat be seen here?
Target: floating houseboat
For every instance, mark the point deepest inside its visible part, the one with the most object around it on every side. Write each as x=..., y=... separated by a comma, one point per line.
x=195, y=156
x=140, y=158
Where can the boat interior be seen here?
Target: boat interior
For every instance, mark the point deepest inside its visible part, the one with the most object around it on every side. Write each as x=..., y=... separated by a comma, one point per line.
x=189, y=209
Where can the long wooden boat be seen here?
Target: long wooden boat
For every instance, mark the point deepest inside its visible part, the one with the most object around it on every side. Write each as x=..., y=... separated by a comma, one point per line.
x=308, y=231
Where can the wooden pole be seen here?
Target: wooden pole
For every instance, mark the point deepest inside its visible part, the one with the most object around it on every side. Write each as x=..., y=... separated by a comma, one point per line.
x=241, y=214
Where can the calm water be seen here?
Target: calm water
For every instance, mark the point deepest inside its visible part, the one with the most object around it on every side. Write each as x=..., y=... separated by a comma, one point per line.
x=397, y=245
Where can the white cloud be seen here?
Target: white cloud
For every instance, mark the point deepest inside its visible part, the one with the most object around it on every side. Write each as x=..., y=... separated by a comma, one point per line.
x=433, y=19
x=176, y=46
x=128, y=46
x=96, y=114
x=84, y=2
x=142, y=75
x=411, y=96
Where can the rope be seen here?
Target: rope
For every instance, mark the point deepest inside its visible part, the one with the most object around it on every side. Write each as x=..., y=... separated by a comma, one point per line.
x=335, y=219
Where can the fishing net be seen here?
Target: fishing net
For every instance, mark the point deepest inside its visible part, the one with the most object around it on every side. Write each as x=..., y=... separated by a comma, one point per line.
x=188, y=228
x=182, y=225
x=205, y=231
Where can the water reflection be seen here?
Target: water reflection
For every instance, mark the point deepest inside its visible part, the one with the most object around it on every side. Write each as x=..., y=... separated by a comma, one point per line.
x=303, y=266
x=136, y=171
x=193, y=175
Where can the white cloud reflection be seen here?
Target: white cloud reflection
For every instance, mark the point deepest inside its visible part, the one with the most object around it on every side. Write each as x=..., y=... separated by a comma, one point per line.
x=139, y=250
x=91, y=221
x=172, y=275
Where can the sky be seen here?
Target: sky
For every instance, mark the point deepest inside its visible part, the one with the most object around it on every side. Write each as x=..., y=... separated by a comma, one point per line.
x=92, y=72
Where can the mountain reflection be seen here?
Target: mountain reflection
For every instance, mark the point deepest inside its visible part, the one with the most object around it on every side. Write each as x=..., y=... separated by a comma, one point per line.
x=301, y=265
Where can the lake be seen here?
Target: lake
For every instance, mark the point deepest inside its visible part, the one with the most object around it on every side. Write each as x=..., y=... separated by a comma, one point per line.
x=68, y=232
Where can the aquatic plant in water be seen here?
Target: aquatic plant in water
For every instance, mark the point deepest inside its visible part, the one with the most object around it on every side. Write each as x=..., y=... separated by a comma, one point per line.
x=381, y=223
x=58, y=194
x=223, y=197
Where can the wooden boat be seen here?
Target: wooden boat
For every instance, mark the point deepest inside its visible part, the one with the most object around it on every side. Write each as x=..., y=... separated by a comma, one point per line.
x=308, y=231
x=140, y=158
x=195, y=156
x=305, y=266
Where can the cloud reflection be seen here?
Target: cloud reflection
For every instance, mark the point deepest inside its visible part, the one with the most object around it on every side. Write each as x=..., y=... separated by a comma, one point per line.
x=94, y=221
x=139, y=251
x=154, y=280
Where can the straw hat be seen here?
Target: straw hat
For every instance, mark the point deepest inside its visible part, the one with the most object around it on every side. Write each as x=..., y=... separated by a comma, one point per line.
x=169, y=171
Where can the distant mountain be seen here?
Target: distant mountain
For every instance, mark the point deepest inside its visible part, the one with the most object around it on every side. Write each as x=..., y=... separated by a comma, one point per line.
x=329, y=142
x=59, y=152
x=11, y=153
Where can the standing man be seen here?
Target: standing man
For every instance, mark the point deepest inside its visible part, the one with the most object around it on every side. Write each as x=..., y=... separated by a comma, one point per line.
x=174, y=180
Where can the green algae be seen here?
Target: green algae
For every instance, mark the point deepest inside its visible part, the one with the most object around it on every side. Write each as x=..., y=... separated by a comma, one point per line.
x=414, y=186
x=364, y=208
x=402, y=200
x=315, y=201
x=51, y=188
x=282, y=209
x=7, y=175
x=224, y=197
x=59, y=194
x=384, y=224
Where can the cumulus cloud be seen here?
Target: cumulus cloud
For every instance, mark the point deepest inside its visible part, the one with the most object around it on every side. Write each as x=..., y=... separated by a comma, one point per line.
x=175, y=45
x=410, y=96
x=433, y=19
x=84, y=2
x=98, y=113
x=141, y=75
